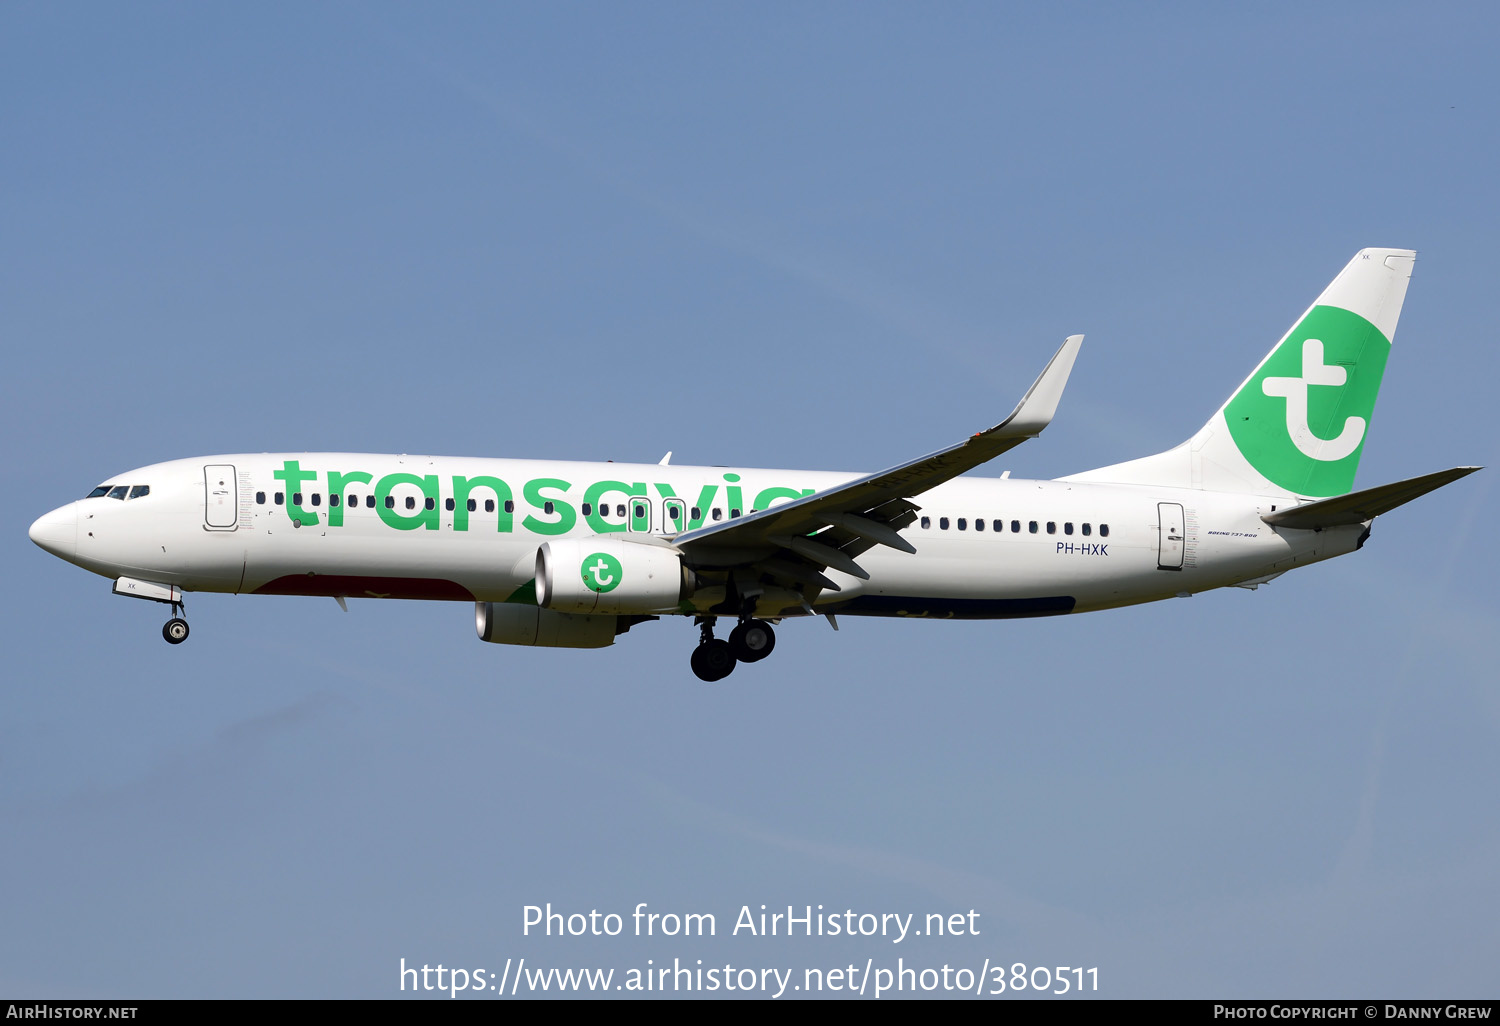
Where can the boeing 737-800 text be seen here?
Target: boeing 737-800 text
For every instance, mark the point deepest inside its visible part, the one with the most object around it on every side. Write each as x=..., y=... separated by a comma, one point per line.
x=575, y=554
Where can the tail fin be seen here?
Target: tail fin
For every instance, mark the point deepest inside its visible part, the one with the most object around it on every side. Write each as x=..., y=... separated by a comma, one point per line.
x=1298, y=423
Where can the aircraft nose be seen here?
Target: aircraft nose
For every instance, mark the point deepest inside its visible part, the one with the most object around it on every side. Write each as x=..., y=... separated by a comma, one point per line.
x=57, y=532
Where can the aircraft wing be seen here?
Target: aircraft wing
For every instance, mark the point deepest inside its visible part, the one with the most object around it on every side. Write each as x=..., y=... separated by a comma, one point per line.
x=798, y=539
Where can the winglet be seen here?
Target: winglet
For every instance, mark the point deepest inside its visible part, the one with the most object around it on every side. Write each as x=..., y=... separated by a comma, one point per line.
x=1036, y=408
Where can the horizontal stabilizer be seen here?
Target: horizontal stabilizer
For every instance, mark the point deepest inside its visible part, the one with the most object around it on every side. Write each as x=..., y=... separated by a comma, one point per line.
x=1358, y=507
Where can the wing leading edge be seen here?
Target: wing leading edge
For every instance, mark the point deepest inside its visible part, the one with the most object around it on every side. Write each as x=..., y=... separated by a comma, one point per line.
x=799, y=539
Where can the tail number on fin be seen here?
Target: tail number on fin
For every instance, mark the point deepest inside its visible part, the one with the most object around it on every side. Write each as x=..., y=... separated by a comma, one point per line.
x=1294, y=391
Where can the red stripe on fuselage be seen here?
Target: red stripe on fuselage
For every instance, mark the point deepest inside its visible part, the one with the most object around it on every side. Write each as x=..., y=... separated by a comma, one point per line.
x=366, y=587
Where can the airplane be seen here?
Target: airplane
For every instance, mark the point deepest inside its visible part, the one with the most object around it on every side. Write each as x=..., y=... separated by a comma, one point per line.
x=574, y=554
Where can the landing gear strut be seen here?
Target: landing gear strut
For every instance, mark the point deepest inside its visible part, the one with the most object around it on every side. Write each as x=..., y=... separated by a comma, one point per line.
x=175, y=630
x=712, y=660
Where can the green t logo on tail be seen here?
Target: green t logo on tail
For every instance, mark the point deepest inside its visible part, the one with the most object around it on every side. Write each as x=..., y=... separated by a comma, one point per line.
x=1301, y=420
x=602, y=572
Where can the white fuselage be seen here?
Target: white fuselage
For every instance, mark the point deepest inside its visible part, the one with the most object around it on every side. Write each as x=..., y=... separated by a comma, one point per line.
x=363, y=525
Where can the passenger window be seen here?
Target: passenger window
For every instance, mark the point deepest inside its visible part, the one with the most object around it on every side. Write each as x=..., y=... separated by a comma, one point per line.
x=1015, y=527
x=1068, y=527
x=97, y=492
x=718, y=514
x=620, y=511
x=118, y=492
x=999, y=526
x=1104, y=530
x=430, y=504
x=547, y=507
x=489, y=506
x=1088, y=529
x=317, y=499
x=943, y=523
x=979, y=523
x=963, y=523
x=369, y=502
x=260, y=498
x=390, y=502
x=640, y=511
x=474, y=505
x=926, y=523
x=411, y=502
x=449, y=505
x=333, y=500
x=296, y=498
x=1051, y=527
x=1031, y=526
x=733, y=514
x=697, y=513
x=280, y=498
x=588, y=509
x=140, y=490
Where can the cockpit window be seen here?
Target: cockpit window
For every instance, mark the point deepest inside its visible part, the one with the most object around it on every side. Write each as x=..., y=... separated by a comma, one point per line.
x=118, y=491
x=101, y=490
x=137, y=491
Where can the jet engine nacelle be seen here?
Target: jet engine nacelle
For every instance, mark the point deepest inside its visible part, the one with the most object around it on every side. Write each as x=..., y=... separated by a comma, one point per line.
x=603, y=575
x=506, y=623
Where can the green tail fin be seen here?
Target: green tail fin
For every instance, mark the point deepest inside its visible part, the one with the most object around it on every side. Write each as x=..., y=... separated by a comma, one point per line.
x=1298, y=423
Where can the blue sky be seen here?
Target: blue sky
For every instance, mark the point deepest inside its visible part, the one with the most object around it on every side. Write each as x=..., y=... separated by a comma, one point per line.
x=823, y=236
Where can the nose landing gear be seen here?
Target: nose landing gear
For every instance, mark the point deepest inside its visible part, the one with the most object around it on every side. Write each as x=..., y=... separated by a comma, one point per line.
x=175, y=630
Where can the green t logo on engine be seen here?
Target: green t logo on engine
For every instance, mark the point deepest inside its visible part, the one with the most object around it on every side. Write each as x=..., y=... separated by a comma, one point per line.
x=602, y=572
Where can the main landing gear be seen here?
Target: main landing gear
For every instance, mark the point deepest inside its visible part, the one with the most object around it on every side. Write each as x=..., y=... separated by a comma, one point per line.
x=714, y=659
